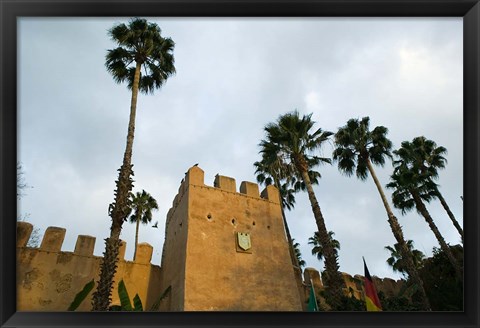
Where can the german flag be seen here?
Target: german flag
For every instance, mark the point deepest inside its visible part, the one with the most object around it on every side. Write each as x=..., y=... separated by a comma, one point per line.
x=371, y=298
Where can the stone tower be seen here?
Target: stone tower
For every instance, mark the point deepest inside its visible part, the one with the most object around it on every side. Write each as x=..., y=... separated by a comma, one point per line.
x=226, y=250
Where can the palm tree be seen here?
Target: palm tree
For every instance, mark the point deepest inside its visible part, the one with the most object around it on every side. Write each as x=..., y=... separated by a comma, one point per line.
x=317, y=248
x=140, y=46
x=298, y=254
x=396, y=261
x=290, y=140
x=271, y=169
x=357, y=149
x=142, y=205
x=411, y=190
x=426, y=157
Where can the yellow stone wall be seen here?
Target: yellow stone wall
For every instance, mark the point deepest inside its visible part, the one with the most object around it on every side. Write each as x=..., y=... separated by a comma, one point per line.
x=48, y=278
x=174, y=252
x=353, y=285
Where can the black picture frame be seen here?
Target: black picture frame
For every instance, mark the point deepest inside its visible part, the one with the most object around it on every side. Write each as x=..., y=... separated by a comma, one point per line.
x=10, y=10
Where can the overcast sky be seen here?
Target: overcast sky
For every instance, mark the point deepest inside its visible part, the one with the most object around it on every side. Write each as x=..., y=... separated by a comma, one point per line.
x=233, y=77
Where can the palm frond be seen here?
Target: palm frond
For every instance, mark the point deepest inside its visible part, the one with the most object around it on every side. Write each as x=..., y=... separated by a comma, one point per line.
x=356, y=145
x=140, y=42
x=142, y=204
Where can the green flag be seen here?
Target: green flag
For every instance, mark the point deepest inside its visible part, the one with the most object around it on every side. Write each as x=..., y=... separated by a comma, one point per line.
x=312, y=302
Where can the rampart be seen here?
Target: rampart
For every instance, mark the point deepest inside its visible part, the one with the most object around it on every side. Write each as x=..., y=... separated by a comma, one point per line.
x=48, y=278
x=354, y=285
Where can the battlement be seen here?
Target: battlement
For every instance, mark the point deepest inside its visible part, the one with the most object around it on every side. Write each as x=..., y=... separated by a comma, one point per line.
x=196, y=176
x=247, y=188
x=53, y=241
x=353, y=285
x=48, y=277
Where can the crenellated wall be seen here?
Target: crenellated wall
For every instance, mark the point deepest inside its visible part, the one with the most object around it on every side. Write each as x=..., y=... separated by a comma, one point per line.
x=354, y=285
x=48, y=278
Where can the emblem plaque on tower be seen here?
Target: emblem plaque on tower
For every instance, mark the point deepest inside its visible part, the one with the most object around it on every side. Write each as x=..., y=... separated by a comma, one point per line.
x=244, y=243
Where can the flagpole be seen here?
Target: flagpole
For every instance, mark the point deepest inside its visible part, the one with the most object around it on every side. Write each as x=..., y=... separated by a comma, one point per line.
x=314, y=296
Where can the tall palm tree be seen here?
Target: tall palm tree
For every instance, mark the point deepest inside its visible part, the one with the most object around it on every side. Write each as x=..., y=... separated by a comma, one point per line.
x=317, y=248
x=356, y=150
x=410, y=191
x=140, y=45
x=142, y=205
x=424, y=155
x=396, y=261
x=272, y=170
x=291, y=140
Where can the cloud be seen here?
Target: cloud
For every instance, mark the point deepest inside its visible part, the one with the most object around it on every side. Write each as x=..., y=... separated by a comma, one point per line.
x=234, y=76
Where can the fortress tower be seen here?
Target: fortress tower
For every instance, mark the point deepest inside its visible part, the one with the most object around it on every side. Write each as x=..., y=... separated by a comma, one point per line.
x=226, y=250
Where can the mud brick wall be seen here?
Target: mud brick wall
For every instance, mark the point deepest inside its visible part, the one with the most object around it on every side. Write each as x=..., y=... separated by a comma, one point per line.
x=48, y=278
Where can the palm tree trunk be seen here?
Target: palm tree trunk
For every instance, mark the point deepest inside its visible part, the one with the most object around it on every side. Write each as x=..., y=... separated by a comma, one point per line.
x=450, y=214
x=287, y=230
x=398, y=234
x=333, y=279
x=422, y=209
x=119, y=210
x=136, y=239
x=295, y=263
